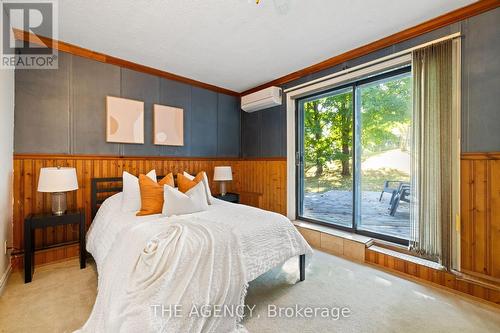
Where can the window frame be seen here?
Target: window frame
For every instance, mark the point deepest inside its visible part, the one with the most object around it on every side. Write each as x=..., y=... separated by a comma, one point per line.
x=299, y=153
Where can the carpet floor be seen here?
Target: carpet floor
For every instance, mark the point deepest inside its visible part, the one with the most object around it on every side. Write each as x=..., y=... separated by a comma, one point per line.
x=61, y=297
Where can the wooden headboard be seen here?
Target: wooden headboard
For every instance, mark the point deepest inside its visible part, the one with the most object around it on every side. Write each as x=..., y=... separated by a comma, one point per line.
x=103, y=188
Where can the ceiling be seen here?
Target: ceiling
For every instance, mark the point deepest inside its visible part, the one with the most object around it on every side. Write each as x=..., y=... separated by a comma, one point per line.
x=236, y=44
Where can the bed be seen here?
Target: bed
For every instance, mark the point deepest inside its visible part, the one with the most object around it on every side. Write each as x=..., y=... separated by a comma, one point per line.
x=252, y=241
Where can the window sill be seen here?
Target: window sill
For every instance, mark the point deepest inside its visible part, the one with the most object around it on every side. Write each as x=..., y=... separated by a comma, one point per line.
x=376, y=245
x=367, y=241
x=406, y=257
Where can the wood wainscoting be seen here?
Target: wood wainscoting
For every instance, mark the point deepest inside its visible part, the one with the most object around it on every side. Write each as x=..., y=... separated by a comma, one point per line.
x=479, y=274
x=437, y=277
x=480, y=215
x=260, y=182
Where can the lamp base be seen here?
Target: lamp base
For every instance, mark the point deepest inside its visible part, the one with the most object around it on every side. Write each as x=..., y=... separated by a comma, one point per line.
x=222, y=188
x=58, y=203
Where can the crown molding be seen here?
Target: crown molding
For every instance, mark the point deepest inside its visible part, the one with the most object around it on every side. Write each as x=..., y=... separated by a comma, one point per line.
x=101, y=57
x=420, y=29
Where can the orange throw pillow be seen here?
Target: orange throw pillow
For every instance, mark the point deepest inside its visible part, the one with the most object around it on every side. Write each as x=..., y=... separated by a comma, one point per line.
x=152, y=194
x=185, y=184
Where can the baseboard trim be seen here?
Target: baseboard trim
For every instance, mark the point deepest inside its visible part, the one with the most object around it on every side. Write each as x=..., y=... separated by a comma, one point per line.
x=394, y=262
x=480, y=301
x=5, y=278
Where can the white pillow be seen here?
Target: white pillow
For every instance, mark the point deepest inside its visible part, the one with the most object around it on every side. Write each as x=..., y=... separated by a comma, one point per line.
x=131, y=199
x=178, y=203
x=205, y=184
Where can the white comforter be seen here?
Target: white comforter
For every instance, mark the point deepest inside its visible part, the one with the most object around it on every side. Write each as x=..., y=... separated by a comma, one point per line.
x=245, y=242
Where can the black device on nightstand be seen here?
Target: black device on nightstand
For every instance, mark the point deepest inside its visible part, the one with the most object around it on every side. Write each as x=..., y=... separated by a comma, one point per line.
x=230, y=197
x=40, y=221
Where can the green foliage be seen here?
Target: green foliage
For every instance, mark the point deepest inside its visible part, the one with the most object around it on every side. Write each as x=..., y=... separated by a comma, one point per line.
x=385, y=119
x=385, y=115
x=327, y=130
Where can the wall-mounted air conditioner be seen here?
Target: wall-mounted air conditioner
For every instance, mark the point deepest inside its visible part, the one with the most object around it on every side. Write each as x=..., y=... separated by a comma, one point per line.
x=261, y=99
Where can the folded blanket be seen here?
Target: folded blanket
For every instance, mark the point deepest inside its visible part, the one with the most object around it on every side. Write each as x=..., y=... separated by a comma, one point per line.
x=165, y=274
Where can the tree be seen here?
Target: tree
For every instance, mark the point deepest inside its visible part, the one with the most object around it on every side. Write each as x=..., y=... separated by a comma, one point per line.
x=328, y=132
x=386, y=115
x=343, y=106
x=328, y=123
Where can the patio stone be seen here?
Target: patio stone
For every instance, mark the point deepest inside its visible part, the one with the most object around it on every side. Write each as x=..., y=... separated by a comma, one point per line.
x=337, y=206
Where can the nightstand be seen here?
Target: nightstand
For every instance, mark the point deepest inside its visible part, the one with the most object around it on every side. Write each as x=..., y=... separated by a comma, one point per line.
x=40, y=221
x=229, y=197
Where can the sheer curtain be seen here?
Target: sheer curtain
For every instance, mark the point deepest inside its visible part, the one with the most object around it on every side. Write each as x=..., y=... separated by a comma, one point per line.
x=431, y=163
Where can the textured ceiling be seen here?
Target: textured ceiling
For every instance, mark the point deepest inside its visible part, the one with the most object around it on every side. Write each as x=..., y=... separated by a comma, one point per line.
x=237, y=44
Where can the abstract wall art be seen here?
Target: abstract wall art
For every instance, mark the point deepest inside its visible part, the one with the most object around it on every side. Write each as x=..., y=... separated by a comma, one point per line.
x=124, y=120
x=168, y=125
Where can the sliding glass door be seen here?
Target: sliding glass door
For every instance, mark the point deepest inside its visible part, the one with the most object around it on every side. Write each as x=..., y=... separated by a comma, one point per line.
x=326, y=151
x=354, y=156
x=384, y=119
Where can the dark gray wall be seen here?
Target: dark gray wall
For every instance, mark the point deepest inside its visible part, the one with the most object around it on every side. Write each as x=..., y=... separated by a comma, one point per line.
x=63, y=111
x=481, y=83
x=263, y=133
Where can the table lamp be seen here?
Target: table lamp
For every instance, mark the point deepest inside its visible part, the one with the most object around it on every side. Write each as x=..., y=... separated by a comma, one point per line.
x=57, y=181
x=223, y=174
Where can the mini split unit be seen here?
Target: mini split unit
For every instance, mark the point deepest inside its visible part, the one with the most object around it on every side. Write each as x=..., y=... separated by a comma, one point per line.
x=261, y=99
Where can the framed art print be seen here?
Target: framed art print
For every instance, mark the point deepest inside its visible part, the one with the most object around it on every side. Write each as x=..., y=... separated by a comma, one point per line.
x=124, y=120
x=168, y=125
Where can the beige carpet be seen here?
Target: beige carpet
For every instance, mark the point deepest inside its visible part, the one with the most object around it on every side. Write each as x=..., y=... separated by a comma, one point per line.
x=61, y=296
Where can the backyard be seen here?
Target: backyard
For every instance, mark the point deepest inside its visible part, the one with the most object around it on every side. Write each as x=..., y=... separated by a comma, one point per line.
x=330, y=197
x=383, y=154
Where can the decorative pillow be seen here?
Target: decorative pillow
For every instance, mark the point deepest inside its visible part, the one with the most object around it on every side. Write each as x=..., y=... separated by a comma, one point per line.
x=185, y=184
x=152, y=194
x=177, y=203
x=206, y=183
x=131, y=200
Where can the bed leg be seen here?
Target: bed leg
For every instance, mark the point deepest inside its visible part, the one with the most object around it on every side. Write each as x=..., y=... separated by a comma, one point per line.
x=302, y=267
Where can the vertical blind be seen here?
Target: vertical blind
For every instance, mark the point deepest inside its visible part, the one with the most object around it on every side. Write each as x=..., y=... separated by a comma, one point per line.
x=431, y=161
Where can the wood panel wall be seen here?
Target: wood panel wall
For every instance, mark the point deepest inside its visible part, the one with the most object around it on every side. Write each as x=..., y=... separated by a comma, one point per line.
x=480, y=215
x=480, y=234
x=261, y=183
x=434, y=276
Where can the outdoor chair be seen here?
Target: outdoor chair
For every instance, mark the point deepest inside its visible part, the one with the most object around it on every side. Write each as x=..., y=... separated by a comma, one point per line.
x=402, y=194
x=389, y=188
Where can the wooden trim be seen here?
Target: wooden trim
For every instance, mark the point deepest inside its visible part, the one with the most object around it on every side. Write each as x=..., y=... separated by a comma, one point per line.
x=484, y=301
x=480, y=278
x=101, y=57
x=163, y=158
x=438, y=278
x=481, y=156
x=420, y=29
x=436, y=23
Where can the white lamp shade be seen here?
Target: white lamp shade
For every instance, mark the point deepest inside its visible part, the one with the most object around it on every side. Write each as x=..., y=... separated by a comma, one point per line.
x=57, y=180
x=222, y=173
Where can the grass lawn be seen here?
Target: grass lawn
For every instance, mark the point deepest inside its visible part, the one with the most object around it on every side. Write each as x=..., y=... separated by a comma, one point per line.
x=372, y=179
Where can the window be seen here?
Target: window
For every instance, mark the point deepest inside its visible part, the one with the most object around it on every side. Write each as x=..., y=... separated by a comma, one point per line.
x=353, y=148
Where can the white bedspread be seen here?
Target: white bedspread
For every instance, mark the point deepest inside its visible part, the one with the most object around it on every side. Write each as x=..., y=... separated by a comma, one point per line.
x=244, y=241
x=267, y=239
x=189, y=264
